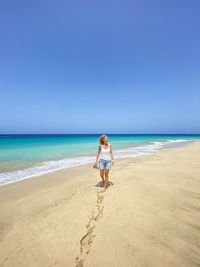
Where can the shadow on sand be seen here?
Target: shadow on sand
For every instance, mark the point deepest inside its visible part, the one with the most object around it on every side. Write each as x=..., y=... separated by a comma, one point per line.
x=100, y=184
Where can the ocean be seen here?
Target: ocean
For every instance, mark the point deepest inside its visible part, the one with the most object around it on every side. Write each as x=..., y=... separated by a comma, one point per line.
x=26, y=156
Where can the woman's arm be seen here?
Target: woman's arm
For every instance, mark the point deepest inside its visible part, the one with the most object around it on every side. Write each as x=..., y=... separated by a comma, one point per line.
x=111, y=153
x=99, y=150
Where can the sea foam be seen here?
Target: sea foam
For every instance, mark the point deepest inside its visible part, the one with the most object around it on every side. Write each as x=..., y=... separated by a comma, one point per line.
x=52, y=166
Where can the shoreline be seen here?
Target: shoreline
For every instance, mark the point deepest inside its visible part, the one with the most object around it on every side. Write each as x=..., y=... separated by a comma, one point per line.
x=148, y=216
x=72, y=170
x=171, y=145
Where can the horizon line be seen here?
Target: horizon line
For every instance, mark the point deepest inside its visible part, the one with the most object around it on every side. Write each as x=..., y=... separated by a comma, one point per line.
x=99, y=133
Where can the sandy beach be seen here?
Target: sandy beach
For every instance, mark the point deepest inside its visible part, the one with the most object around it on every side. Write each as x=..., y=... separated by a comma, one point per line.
x=149, y=216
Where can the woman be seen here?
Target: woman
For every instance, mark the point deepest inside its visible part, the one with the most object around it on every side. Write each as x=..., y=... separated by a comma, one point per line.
x=105, y=157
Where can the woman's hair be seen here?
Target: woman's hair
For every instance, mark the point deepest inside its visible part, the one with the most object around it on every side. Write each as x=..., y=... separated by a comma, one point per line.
x=101, y=139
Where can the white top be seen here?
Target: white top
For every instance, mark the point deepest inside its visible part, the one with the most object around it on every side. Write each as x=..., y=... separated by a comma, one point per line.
x=105, y=153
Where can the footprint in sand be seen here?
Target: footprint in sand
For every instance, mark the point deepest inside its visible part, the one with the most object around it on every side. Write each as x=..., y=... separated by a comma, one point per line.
x=87, y=239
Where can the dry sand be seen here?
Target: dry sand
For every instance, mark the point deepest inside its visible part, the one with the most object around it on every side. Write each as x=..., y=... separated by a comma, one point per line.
x=149, y=216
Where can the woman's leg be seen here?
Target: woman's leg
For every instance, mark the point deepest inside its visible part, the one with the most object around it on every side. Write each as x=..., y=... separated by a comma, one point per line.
x=106, y=179
x=102, y=174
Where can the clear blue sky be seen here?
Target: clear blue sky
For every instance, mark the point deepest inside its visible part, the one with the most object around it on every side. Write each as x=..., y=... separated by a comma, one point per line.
x=100, y=66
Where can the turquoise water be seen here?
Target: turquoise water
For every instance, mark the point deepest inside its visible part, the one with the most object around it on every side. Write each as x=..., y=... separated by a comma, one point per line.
x=23, y=156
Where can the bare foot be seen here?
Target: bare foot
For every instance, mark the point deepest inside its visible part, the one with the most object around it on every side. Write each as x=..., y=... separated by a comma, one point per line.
x=105, y=187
